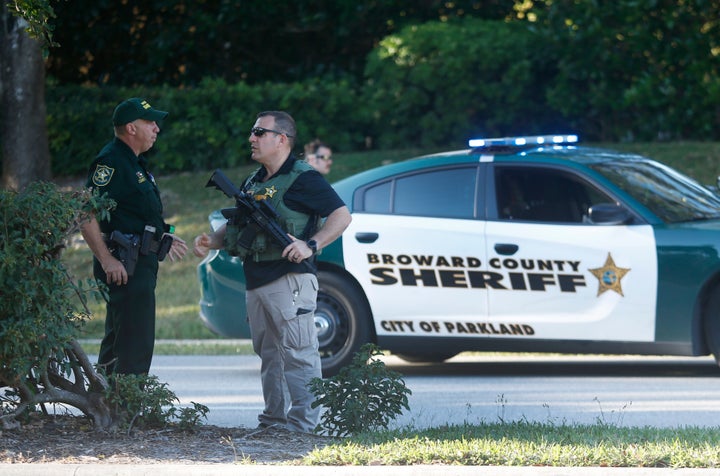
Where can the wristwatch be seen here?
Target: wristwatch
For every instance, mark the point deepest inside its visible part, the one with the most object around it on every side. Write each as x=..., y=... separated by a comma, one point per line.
x=312, y=244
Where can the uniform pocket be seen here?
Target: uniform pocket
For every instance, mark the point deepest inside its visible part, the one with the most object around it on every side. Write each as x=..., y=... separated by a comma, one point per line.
x=300, y=317
x=299, y=328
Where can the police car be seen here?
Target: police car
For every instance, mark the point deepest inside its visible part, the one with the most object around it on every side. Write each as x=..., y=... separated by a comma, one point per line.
x=515, y=244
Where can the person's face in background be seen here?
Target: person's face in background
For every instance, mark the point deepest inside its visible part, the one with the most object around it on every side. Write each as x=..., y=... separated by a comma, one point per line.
x=321, y=160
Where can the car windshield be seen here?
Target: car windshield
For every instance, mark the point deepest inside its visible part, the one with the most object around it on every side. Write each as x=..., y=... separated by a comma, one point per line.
x=670, y=195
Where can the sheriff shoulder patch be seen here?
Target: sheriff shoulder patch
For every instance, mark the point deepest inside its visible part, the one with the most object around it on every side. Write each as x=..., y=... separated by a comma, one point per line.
x=102, y=176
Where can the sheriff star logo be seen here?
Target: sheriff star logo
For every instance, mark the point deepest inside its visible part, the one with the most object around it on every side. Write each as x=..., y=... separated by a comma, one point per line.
x=102, y=175
x=609, y=276
x=269, y=192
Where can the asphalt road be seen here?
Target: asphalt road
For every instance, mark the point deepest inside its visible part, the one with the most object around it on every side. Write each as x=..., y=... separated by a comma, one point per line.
x=624, y=391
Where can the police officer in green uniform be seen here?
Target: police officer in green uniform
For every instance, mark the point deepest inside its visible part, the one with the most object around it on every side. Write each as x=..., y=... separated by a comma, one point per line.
x=128, y=246
x=281, y=288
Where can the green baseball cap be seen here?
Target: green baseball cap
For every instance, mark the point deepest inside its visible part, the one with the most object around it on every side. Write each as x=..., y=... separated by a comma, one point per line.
x=135, y=108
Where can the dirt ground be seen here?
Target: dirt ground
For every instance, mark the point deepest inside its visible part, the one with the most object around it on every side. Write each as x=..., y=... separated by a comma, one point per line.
x=68, y=439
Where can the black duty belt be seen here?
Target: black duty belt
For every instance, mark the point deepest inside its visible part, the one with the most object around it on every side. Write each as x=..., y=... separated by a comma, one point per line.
x=149, y=245
x=141, y=244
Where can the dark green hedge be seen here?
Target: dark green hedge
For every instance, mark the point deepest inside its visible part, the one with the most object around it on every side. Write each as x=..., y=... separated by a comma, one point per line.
x=207, y=127
x=433, y=85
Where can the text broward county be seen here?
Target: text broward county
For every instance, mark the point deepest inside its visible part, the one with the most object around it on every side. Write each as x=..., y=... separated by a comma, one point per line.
x=463, y=272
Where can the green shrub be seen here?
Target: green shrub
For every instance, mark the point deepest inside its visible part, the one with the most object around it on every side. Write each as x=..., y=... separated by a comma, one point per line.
x=363, y=396
x=144, y=401
x=445, y=82
x=208, y=126
x=38, y=312
x=42, y=311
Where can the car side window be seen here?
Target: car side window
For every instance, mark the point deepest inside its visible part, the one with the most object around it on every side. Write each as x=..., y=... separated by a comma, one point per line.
x=544, y=195
x=376, y=199
x=441, y=193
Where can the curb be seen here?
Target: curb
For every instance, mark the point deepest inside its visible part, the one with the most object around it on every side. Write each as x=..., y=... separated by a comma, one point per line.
x=41, y=469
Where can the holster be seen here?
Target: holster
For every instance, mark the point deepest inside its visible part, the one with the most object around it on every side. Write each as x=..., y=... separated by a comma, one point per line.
x=125, y=247
x=150, y=245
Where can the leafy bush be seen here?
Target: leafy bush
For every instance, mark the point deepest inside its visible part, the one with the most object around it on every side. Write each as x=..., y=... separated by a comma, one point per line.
x=42, y=310
x=363, y=396
x=39, y=312
x=142, y=400
x=445, y=82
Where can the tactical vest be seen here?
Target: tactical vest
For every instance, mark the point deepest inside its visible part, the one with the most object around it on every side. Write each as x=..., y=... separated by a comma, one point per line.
x=263, y=247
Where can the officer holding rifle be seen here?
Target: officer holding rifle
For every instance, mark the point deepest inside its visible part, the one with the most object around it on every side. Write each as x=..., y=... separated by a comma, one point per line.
x=281, y=285
x=128, y=246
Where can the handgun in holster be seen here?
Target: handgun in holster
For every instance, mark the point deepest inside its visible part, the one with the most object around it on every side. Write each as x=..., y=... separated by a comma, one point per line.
x=128, y=248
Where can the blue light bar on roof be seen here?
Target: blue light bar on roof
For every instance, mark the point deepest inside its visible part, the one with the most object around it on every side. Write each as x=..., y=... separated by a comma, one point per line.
x=555, y=139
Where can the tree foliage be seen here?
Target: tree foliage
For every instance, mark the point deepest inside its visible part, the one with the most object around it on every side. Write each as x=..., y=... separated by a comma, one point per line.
x=443, y=82
x=38, y=14
x=180, y=42
x=622, y=70
x=635, y=69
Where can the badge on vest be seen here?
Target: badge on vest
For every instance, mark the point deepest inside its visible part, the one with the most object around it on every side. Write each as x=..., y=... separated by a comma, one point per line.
x=102, y=175
x=269, y=192
x=141, y=177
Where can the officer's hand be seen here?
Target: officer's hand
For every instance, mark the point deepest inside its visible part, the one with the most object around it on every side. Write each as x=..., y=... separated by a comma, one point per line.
x=177, y=249
x=297, y=251
x=115, y=271
x=201, y=245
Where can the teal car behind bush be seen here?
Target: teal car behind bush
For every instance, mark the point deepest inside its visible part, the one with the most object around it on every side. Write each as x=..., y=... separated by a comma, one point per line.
x=514, y=244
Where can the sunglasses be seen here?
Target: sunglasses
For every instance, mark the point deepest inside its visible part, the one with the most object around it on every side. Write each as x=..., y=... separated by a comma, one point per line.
x=322, y=157
x=260, y=131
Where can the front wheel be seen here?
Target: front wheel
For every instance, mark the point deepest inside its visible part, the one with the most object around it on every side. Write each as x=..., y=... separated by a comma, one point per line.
x=342, y=319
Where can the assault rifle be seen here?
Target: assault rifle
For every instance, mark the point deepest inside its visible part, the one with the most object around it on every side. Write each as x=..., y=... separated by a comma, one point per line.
x=259, y=214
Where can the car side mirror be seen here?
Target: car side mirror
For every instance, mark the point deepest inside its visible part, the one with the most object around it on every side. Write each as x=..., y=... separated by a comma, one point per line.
x=609, y=214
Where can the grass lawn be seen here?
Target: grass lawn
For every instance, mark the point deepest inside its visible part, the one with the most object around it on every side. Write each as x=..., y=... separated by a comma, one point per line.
x=528, y=444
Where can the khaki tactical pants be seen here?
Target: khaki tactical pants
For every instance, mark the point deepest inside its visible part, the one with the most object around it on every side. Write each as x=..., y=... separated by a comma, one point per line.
x=281, y=316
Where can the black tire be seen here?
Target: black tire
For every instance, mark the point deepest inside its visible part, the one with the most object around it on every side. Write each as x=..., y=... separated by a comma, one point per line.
x=427, y=358
x=711, y=323
x=342, y=318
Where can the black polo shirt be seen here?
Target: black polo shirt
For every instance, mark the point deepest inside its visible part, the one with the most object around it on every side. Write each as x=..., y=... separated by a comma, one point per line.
x=311, y=194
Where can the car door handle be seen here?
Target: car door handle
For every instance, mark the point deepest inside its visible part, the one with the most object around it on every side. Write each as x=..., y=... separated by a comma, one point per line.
x=366, y=237
x=506, y=248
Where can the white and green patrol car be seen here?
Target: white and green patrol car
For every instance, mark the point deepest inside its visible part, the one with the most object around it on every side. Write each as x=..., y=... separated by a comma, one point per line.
x=515, y=244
